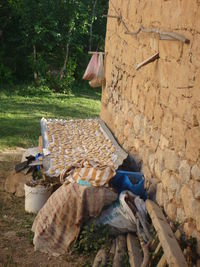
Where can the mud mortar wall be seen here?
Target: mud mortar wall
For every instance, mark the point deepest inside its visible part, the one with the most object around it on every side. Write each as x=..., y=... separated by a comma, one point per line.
x=155, y=112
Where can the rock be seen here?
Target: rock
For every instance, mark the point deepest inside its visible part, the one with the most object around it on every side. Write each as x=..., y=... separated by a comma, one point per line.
x=171, y=160
x=184, y=171
x=171, y=211
x=164, y=142
x=159, y=194
x=190, y=231
x=15, y=183
x=195, y=172
x=152, y=191
x=193, y=144
x=173, y=186
x=137, y=143
x=180, y=215
x=196, y=189
x=158, y=170
x=151, y=162
x=191, y=205
x=138, y=120
x=165, y=178
x=12, y=155
x=159, y=155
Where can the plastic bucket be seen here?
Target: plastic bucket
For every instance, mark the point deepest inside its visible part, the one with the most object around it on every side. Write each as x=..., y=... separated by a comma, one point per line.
x=35, y=197
x=123, y=180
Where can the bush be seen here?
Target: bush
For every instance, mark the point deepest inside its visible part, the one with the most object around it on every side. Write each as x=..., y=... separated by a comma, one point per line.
x=92, y=238
x=5, y=75
x=64, y=85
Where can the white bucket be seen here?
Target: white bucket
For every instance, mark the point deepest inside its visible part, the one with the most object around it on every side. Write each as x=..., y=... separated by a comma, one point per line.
x=35, y=197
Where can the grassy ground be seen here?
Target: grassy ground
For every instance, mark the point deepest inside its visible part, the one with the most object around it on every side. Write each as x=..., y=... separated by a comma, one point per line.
x=21, y=109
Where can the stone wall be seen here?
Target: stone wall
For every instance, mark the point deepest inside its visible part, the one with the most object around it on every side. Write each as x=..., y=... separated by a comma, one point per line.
x=155, y=112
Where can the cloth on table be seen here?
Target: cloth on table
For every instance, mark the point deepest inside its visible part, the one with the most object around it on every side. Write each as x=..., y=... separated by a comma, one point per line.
x=59, y=221
x=88, y=172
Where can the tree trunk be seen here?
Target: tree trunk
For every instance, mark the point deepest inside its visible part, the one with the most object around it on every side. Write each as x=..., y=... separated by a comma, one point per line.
x=65, y=62
x=34, y=64
x=120, y=251
x=93, y=13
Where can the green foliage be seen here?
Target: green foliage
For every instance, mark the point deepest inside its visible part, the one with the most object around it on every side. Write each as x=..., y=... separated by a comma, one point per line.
x=49, y=26
x=91, y=239
x=5, y=75
x=64, y=85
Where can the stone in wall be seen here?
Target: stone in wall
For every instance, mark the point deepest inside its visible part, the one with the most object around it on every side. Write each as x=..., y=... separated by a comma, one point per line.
x=195, y=172
x=185, y=171
x=171, y=160
x=192, y=143
x=191, y=205
x=171, y=211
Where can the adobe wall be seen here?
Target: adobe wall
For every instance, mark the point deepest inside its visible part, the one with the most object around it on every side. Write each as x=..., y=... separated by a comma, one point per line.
x=155, y=112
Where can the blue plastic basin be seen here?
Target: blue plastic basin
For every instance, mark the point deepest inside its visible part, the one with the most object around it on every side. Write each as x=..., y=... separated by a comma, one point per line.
x=122, y=181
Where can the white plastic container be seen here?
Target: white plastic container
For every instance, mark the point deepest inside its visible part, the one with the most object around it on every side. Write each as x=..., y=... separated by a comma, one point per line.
x=35, y=197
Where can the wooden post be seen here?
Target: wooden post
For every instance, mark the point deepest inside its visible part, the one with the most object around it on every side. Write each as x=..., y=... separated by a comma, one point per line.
x=171, y=248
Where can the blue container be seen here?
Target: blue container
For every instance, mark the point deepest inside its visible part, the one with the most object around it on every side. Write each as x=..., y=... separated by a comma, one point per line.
x=132, y=181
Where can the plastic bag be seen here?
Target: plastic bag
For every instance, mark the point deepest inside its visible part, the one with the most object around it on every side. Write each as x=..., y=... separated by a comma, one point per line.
x=119, y=215
x=92, y=68
x=99, y=79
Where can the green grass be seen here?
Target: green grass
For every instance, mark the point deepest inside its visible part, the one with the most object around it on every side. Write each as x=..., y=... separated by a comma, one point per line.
x=21, y=109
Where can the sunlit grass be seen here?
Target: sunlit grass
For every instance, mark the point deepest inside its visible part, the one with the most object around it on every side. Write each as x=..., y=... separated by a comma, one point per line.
x=20, y=114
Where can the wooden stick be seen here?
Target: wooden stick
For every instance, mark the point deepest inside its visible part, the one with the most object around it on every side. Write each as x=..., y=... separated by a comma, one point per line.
x=147, y=61
x=92, y=52
x=100, y=259
x=162, y=262
x=40, y=145
x=134, y=251
x=111, y=16
x=171, y=248
x=120, y=250
x=119, y=14
x=164, y=35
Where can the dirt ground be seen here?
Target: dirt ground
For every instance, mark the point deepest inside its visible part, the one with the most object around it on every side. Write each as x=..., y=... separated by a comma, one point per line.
x=16, y=247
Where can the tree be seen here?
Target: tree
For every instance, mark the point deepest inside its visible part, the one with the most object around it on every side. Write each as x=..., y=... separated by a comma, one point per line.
x=47, y=38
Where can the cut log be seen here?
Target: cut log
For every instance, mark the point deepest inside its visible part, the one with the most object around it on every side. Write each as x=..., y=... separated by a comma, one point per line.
x=113, y=247
x=162, y=262
x=100, y=259
x=171, y=248
x=134, y=251
x=120, y=251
